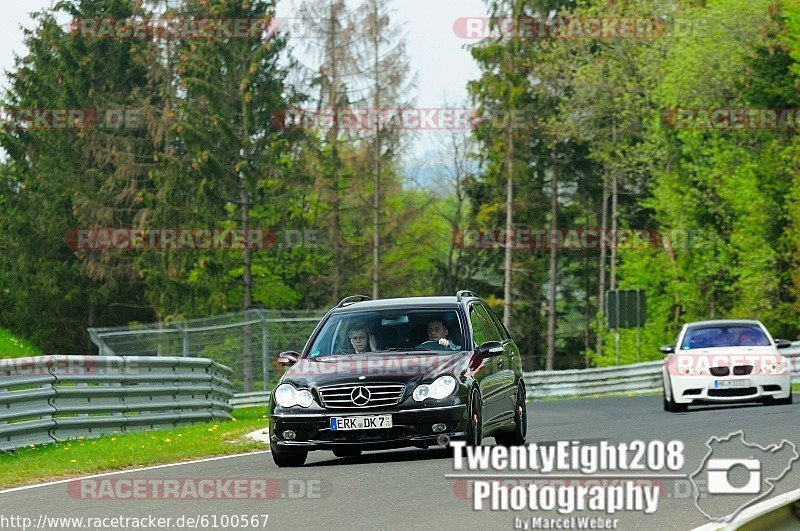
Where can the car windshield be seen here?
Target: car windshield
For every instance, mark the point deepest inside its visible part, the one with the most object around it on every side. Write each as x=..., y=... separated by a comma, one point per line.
x=389, y=331
x=739, y=335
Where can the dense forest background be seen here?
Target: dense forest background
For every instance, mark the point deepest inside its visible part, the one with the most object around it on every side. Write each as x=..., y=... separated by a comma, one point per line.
x=576, y=131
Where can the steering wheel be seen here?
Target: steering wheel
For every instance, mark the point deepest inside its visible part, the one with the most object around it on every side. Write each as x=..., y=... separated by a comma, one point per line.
x=431, y=345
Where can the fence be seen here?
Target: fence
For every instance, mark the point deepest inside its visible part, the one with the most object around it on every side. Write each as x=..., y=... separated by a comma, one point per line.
x=248, y=341
x=53, y=398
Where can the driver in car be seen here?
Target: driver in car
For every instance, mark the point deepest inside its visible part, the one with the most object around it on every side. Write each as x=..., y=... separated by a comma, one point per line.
x=748, y=338
x=438, y=332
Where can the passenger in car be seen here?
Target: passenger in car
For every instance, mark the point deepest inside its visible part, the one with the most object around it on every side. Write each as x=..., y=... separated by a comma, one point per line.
x=361, y=339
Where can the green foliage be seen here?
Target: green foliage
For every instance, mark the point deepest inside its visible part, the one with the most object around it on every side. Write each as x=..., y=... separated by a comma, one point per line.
x=724, y=203
x=14, y=347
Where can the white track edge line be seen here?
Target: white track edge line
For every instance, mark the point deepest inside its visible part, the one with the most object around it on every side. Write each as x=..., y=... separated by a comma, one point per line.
x=128, y=471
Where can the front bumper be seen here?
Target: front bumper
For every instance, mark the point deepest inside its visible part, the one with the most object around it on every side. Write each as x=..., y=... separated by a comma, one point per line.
x=410, y=427
x=689, y=389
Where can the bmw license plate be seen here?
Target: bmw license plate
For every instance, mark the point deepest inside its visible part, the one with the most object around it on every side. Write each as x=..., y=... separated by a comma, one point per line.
x=371, y=422
x=728, y=384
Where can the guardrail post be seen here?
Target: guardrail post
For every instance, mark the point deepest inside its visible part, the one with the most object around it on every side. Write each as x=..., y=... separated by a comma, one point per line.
x=101, y=345
x=264, y=348
x=185, y=340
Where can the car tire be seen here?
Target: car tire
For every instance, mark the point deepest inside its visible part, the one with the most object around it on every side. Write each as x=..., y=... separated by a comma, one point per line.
x=289, y=459
x=516, y=437
x=475, y=419
x=670, y=404
x=347, y=452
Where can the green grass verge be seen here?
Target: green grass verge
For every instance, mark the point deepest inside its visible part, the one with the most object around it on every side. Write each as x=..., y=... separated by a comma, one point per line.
x=12, y=347
x=131, y=450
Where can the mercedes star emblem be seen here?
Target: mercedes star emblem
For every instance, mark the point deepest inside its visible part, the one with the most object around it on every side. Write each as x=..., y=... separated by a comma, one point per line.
x=360, y=396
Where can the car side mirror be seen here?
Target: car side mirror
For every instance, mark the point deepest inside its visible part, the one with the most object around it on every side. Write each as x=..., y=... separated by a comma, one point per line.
x=783, y=343
x=489, y=349
x=667, y=349
x=288, y=358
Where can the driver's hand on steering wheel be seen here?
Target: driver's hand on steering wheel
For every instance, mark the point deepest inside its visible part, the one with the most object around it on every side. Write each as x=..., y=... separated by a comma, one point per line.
x=444, y=342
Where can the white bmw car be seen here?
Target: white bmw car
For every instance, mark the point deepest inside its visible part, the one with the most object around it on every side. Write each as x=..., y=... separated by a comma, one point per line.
x=725, y=361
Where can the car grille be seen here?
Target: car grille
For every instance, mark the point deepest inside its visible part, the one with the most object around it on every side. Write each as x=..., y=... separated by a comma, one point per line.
x=740, y=370
x=743, y=391
x=341, y=396
x=719, y=371
x=357, y=436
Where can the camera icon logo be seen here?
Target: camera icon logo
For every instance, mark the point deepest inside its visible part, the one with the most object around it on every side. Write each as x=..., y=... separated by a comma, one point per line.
x=718, y=476
x=736, y=474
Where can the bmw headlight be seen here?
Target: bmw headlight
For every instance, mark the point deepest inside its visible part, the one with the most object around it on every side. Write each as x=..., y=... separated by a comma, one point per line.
x=286, y=395
x=773, y=366
x=441, y=387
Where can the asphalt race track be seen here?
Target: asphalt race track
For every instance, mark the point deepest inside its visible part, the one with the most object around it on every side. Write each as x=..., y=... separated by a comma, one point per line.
x=407, y=489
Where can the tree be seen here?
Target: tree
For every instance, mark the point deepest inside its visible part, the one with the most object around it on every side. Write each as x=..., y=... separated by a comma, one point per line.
x=90, y=173
x=332, y=25
x=385, y=75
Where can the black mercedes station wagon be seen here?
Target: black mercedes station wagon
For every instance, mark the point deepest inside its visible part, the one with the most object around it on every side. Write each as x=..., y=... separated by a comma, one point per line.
x=392, y=373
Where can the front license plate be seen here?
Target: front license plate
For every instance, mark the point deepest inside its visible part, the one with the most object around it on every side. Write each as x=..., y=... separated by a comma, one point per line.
x=372, y=422
x=728, y=384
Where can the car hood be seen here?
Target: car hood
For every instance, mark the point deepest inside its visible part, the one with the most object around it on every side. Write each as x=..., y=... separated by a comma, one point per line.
x=395, y=367
x=732, y=351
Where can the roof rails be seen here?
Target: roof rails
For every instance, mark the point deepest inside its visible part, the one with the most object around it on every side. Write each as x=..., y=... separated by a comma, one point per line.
x=353, y=299
x=465, y=293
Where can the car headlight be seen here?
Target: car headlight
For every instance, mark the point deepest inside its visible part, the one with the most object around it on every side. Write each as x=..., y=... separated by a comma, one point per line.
x=774, y=366
x=441, y=387
x=286, y=395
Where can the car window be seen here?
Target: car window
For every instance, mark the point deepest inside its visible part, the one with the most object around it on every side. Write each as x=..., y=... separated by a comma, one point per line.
x=386, y=330
x=498, y=323
x=492, y=332
x=478, y=327
x=739, y=335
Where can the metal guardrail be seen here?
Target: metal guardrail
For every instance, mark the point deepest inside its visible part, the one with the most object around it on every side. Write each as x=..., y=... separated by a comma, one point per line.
x=247, y=341
x=636, y=378
x=258, y=398
x=55, y=398
x=779, y=513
